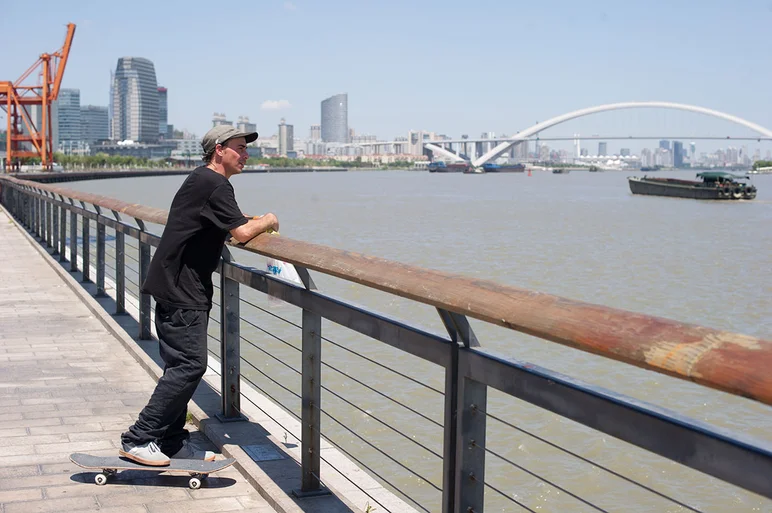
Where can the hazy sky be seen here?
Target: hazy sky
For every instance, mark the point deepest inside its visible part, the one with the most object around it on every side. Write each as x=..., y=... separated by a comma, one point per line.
x=448, y=66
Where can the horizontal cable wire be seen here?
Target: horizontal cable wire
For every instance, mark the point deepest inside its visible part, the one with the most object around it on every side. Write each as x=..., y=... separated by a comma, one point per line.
x=289, y=432
x=407, y=437
x=290, y=367
x=273, y=400
x=382, y=394
x=507, y=497
x=352, y=404
x=378, y=449
x=344, y=348
x=412, y=410
x=541, y=478
x=271, y=379
x=362, y=464
x=586, y=460
x=269, y=334
x=385, y=367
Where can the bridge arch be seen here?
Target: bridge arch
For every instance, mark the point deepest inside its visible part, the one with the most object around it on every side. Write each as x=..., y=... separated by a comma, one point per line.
x=528, y=132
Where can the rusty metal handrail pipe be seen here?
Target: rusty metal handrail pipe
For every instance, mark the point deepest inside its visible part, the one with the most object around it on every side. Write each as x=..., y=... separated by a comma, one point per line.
x=731, y=362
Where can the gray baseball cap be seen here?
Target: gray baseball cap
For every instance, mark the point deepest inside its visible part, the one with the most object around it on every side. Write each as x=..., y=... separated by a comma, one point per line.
x=222, y=133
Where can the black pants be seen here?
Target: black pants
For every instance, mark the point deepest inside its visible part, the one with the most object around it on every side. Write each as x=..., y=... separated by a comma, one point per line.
x=182, y=338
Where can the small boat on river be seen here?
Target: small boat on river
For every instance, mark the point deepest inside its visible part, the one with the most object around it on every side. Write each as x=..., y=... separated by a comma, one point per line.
x=713, y=185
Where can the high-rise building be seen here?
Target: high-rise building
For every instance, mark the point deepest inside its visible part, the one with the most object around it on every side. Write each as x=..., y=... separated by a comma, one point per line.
x=692, y=152
x=624, y=152
x=218, y=118
x=664, y=144
x=69, y=115
x=316, y=133
x=134, y=101
x=94, y=124
x=286, y=138
x=163, y=112
x=678, y=154
x=335, y=119
x=245, y=126
x=602, y=149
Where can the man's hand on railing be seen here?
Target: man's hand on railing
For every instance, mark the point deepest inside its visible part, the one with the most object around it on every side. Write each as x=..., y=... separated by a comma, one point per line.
x=254, y=227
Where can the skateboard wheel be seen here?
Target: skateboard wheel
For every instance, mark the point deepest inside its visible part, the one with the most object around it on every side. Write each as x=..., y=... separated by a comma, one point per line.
x=194, y=483
x=100, y=479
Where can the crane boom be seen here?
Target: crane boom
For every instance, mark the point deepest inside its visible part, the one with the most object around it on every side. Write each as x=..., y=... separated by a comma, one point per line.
x=63, y=54
x=28, y=137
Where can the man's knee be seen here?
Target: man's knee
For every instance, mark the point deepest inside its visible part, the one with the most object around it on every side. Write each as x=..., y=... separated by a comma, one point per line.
x=197, y=369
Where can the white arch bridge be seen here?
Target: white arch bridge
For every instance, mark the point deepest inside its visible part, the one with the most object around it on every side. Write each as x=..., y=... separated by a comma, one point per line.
x=525, y=134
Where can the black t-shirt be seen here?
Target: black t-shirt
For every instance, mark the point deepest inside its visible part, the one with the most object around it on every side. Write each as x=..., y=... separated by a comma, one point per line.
x=203, y=211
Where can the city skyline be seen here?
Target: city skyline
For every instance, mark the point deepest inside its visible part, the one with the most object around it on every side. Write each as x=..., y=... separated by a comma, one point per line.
x=598, y=54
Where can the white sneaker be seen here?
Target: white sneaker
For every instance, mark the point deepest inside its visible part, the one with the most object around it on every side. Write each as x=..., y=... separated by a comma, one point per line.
x=191, y=452
x=146, y=454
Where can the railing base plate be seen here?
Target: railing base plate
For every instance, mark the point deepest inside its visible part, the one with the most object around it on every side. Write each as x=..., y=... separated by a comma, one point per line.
x=300, y=494
x=222, y=418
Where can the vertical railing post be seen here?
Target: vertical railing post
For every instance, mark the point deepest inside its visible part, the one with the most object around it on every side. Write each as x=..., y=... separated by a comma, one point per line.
x=230, y=343
x=311, y=398
x=34, y=200
x=41, y=217
x=73, y=238
x=62, y=230
x=55, y=224
x=29, y=203
x=464, y=445
x=49, y=217
x=38, y=216
x=144, y=299
x=100, y=253
x=85, y=245
x=120, y=270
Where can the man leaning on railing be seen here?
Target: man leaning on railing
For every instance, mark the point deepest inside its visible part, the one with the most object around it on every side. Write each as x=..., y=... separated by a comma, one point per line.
x=203, y=213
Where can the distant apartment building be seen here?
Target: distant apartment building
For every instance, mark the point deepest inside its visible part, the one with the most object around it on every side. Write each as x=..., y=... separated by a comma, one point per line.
x=163, y=112
x=69, y=119
x=286, y=138
x=134, y=102
x=678, y=154
x=218, y=118
x=602, y=149
x=94, y=124
x=244, y=125
x=315, y=133
x=335, y=119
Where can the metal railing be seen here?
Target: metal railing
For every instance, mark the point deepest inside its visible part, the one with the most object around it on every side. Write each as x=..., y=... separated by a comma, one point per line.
x=734, y=363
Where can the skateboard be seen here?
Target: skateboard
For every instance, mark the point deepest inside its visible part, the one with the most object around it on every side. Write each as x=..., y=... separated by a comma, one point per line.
x=108, y=466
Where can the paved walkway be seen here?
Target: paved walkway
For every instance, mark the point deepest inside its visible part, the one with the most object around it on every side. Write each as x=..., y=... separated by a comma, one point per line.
x=67, y=385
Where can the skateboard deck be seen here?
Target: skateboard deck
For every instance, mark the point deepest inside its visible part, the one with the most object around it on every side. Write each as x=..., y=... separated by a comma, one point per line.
x=108, y=466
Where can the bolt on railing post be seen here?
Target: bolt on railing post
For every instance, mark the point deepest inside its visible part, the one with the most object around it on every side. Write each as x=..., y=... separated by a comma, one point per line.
x=73, y=239
x=62, y=231
x=100, y=254
x=230, y=344
x=120, y=271
x=144, y=299
x=85, y=247
x=465, y=424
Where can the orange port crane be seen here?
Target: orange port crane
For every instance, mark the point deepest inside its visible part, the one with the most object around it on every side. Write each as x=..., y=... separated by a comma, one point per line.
x=17, y=99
